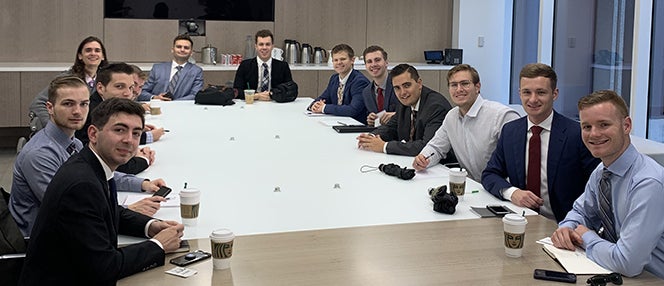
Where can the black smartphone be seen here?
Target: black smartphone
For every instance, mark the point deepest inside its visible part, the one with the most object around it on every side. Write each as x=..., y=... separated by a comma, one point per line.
x=162, y=192
x=498, y=210
x=554, y=276
x=190, y=258
x=169, y=95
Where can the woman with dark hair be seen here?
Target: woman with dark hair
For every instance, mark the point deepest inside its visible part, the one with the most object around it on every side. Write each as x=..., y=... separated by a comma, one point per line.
x=90, y=56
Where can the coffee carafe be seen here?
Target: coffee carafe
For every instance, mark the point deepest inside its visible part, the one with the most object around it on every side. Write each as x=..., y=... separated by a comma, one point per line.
x=307, y=54
x=320, y=55
x=292, y=51
x=209, y=55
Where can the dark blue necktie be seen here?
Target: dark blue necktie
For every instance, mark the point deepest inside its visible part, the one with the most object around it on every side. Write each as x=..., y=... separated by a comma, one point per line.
x=174, y=80
x=71, y=149
x=113, y=193
x=266, y=78
x=608, y=231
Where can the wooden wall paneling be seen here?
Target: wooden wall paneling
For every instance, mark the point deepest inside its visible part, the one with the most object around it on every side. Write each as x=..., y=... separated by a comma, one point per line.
x=136, y=40
x=443, y=86
x=10, y=99
x=322, y=23
x=405, y=29
x=47, y=31
x=307, y=83
x=323, y=80
x=430, y=79
x=229, y=36
x=31, y=84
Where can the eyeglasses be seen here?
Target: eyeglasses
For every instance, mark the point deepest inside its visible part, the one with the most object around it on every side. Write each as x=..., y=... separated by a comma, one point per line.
x=455, y=85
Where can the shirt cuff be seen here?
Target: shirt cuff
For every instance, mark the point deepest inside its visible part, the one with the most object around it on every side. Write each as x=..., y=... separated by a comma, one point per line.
x=507, y=193
x=385, y=147
x=157, y=242
x=147, y=227
x=148, y=137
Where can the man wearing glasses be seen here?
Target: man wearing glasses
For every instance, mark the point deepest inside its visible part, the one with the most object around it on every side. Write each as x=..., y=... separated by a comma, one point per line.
x=471, y=128
x=542, y=154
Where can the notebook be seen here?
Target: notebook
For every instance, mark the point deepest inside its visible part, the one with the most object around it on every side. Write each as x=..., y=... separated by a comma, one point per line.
x=353, y=128
x=574, y=261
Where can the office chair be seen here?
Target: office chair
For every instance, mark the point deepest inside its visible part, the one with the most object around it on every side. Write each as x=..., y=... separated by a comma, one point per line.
x=12, y=244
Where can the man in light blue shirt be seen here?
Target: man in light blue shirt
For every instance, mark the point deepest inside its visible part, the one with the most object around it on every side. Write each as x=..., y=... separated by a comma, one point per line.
x=49, y=148
x=619, y=217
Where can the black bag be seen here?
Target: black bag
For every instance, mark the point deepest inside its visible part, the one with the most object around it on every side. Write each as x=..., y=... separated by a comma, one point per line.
x=216, y=95
x=11, y=242
x=285, y=92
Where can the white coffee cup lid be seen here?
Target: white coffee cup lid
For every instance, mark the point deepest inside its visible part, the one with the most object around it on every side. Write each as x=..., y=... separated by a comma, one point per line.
x=458, y=171
x=222, y=234
x=515, y=219
x=189, y=192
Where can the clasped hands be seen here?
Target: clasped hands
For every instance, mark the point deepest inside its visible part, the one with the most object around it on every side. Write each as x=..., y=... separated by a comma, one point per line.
x=371, y=142
x=318, y=106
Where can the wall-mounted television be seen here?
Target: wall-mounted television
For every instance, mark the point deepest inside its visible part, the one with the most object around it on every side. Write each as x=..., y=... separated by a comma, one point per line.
x=227, y=10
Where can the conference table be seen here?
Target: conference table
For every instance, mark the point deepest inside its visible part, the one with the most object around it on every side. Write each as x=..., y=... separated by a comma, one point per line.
x=303, y=212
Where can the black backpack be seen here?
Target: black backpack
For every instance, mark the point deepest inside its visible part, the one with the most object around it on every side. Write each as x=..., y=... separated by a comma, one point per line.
x=285, y=92
x=11, y=242
x=216, y=95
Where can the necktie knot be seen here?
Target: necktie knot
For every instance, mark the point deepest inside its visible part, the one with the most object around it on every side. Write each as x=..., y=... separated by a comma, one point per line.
x=71, y=149
x=536, y=129
x=606, y=174
x=178, y=68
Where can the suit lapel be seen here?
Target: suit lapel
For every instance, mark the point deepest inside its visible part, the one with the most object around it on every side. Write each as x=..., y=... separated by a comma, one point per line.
x=90, y=157
x=557, y=141
x=519, y=150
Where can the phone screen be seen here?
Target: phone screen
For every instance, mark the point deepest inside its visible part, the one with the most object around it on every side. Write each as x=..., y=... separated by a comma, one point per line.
x=162, y=192
x=498, y=210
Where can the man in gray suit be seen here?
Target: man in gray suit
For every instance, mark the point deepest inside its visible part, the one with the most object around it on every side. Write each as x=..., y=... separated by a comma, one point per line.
x=175, y=80
x=417, y=118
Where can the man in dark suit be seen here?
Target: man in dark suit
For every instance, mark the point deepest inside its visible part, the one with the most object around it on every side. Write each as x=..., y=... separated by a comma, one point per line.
x=74, y=240
x=379, y=98
x=417, y=118
x=177, y=79
x=552, y=182
x=343, y=95
x=261, y=73
x=116, y=80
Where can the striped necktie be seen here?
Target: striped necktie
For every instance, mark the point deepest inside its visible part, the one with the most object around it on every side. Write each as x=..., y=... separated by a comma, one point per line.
x=265, y=83
x=413, y=120
x=71, y=149
x=174, y=80
x=340, y=94
x=607, y=231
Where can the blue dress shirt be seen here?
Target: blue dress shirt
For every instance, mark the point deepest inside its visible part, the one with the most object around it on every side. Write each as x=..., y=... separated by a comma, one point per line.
x=637, y=191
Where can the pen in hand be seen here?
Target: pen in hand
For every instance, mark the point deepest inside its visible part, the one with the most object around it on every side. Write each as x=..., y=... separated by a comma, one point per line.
x=427, y=157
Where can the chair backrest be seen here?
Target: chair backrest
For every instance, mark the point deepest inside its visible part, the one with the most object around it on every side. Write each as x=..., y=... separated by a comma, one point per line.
x=12, y=244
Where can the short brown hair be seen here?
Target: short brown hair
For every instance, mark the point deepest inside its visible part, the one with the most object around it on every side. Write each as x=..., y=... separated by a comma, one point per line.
x=62, y=82
x=371, y=49
x=538, y=69
x=183, y=37
x=264, y=34
x=343, y=48
x=402, y=68
x=112, y=106
x=105, y=74
x=602, y=96
x=475, y=76
x=138, y=71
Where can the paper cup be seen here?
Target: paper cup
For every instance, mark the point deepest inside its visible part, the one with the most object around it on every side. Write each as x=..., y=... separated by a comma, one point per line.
x=155, y=107
x=221, y=244
x=249, y=96
x=514, y=227
x=458, y=181
x=190, y=200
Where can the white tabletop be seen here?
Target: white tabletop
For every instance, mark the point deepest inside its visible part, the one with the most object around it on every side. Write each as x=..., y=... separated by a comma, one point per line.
x=237, y=155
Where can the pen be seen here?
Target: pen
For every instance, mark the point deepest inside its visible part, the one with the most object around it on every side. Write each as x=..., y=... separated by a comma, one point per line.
x=427, y=157
x=343, y=124
x=185, y=185
x=475, y=191
x=166, y=130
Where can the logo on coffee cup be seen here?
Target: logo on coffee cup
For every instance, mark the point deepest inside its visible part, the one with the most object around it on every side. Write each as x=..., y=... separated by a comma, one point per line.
x=189, y=211
x=222, y=250
x=458, y=188
x=514, y=240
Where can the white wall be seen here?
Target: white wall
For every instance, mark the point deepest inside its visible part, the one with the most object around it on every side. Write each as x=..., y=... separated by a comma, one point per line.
x=491, y=19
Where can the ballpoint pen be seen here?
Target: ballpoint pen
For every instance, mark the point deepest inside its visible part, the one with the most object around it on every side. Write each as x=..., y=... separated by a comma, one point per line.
x=427, y=157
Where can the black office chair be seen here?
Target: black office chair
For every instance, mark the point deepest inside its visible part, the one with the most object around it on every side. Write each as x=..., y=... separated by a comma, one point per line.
x=12, y=245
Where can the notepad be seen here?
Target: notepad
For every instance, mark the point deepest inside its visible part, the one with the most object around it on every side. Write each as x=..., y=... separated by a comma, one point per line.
x=574, y=261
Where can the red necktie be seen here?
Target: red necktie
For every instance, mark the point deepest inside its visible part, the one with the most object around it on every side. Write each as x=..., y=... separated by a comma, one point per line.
x=533, y=182
x=380, y=99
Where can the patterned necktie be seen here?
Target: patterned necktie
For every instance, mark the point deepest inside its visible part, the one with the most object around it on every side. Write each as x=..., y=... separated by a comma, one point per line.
x=380, y=99
x=265, y=83
x=340, y=94
x=174, y=80
x=91, y=83
x=533, y=182
x=71, y=149
x=413, y=120
x=608, y=231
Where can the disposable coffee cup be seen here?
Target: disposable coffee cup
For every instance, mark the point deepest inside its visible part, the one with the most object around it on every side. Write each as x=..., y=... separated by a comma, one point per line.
x=155, y=107
x=458, y=181
x=514, y=227
x=249, y=96
x=190, y=201
x=221, y=244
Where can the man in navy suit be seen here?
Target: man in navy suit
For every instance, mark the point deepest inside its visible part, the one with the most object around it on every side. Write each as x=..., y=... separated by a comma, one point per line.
x=379, y=98
x=175, y=80
x=261, y=73
x=343, y=95
x=564, y=164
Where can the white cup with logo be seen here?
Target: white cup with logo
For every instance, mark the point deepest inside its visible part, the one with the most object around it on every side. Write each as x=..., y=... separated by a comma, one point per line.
x=458, y=181
x=221, y=244
x=190, y=201
x=514, y=227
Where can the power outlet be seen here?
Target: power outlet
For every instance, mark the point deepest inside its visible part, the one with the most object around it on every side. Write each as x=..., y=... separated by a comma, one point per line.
x=480, y=41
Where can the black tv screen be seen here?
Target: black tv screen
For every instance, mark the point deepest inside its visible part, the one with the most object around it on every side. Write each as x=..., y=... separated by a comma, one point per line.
x=228, y=10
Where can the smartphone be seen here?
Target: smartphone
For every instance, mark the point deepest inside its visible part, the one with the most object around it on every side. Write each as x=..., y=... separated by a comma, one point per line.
x=162, y=192
x=498, y=210
x=191, y=257
x=554, y=276
x=169, y=95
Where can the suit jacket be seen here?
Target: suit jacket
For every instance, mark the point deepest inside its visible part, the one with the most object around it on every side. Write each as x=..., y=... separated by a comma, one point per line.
x=247, y=74
x=74, y=240
x=569, y=163
x=135, y=165
x=390, y=99
x=432, y=110
x=353, y=103
x=189, y=83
